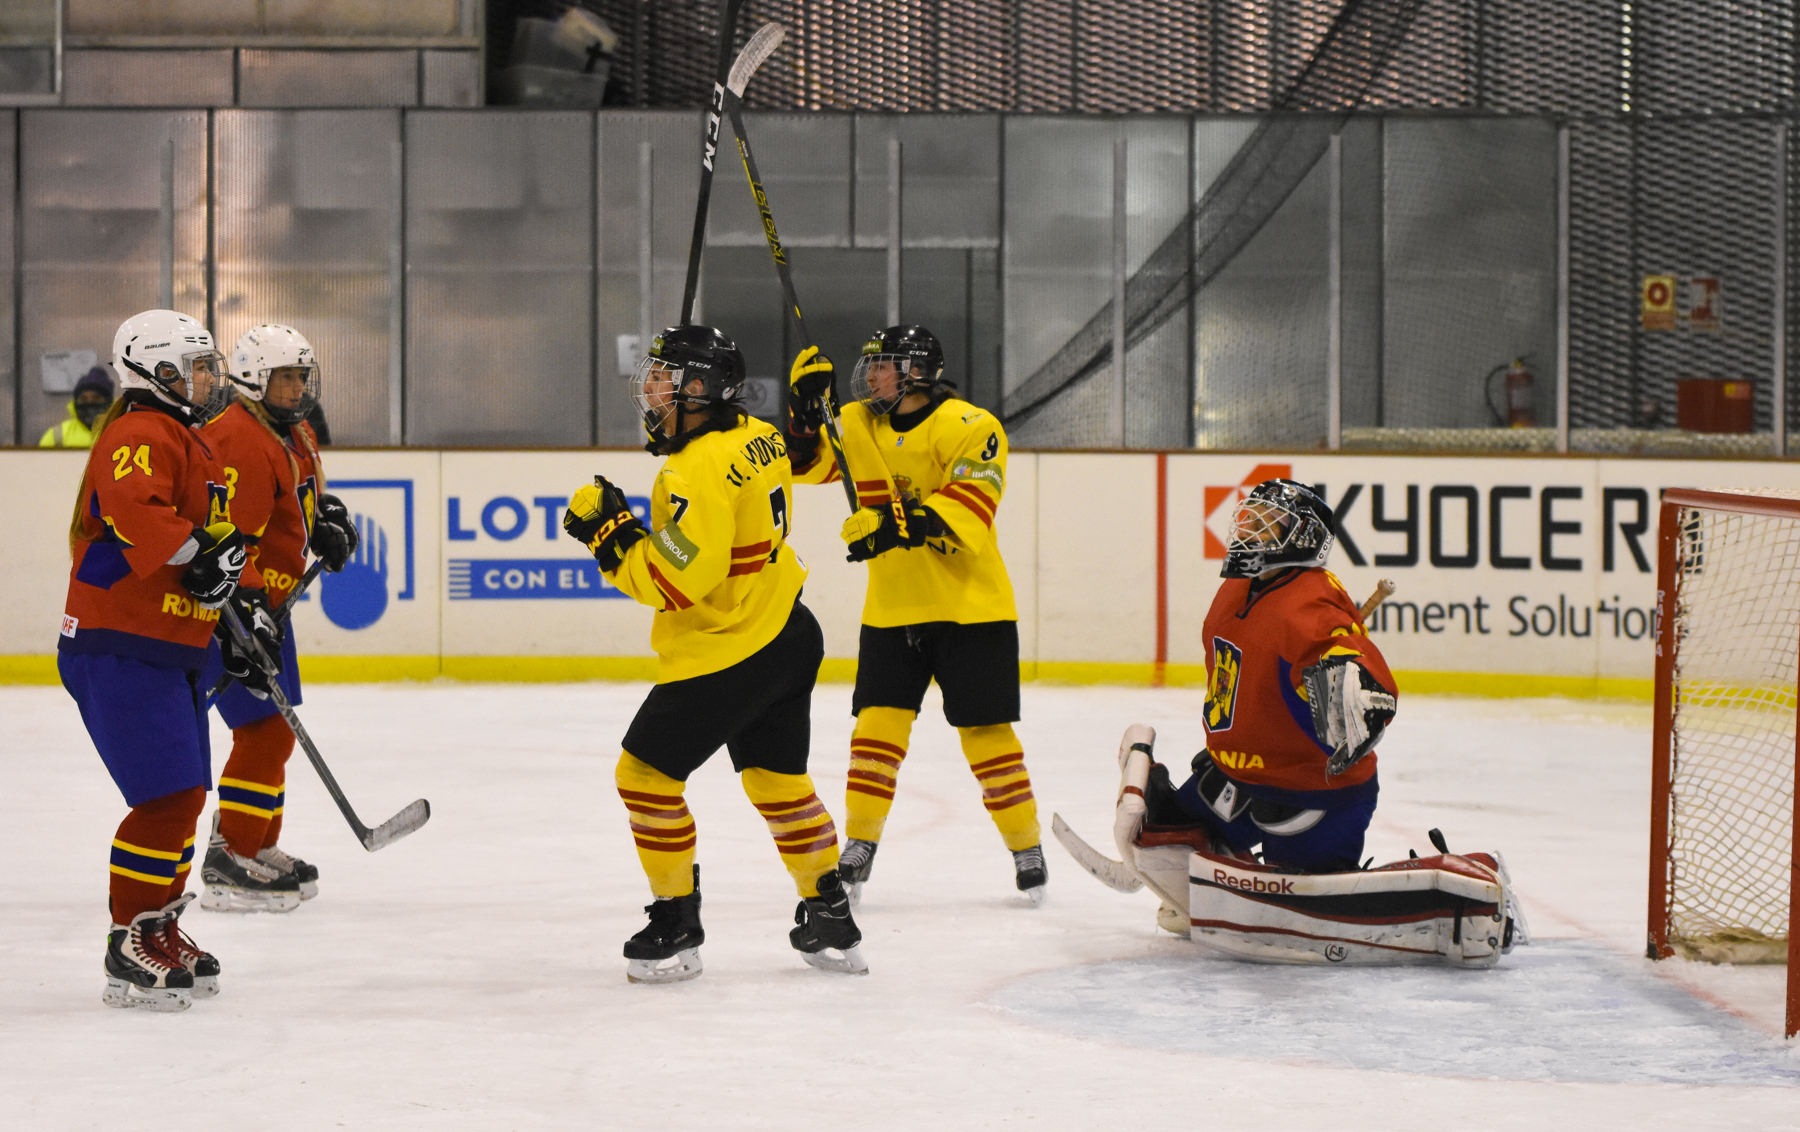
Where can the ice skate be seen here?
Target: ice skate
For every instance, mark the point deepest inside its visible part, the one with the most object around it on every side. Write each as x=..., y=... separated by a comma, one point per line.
x=854, y=865
x=824, y=934
x=1031, y=873
x=181, y=948
x=305, y=875
x=244, y=884
x=667, y=950
x=138, y=974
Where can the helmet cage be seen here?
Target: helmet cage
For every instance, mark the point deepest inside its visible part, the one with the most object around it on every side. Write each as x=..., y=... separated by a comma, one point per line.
x=680, y=356
x=1280, y=524
x=912, y=379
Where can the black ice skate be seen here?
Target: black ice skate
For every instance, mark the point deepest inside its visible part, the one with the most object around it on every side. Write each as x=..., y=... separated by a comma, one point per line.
x=1030, y=873
x=854, y=865
x=305, y=875
x=244, y=884
x=668, y=949
x=825, y=935
x=181, y=948
x=138, y=973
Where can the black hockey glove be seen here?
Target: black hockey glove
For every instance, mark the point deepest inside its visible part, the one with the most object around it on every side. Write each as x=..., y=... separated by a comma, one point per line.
x=334, y=536
x=256, y=664
x=599, y=519
x=212, y=573
x=812, y=386
x=872, y=531
x=1350, y=709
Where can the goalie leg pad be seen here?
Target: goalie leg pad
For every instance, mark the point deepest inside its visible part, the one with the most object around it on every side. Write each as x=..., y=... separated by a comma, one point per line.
x=1443, y=909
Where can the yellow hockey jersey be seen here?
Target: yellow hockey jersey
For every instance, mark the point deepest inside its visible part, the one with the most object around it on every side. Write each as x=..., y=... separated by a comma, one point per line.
x=954, y=461
x=716, y=566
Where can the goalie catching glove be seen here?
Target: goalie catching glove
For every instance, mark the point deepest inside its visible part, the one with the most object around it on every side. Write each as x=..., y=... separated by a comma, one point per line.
x=599, y=518
x=812, y=387
x=876, y=530
x=334, y=536
x=1350, y=709
x=241, y=659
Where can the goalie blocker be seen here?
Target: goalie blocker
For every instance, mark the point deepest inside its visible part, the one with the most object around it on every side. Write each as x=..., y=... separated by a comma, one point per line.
x=1446, y=908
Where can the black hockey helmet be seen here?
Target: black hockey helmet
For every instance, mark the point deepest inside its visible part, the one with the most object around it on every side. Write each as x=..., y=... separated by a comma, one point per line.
x=913, y=350
x=682, y=355
x=1281, y=523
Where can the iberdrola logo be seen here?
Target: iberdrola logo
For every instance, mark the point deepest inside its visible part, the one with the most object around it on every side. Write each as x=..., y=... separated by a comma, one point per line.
x=1222, y=501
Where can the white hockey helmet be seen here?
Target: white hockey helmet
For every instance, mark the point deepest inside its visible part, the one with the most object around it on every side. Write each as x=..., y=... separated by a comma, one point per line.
x=171, y=355
x=262, y=350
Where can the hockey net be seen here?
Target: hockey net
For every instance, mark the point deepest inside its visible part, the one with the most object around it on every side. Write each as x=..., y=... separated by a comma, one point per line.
x=1722, y=867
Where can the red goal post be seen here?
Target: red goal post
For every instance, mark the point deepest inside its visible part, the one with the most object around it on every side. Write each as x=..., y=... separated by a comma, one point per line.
x=1724, y=879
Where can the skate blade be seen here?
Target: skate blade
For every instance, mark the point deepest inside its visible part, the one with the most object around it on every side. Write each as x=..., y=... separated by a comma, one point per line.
x=849, y=961
x=129, y=996
x=225, y=898
x=680, y=967
x=1038, y=895
x=854, y=891
x=206, y=986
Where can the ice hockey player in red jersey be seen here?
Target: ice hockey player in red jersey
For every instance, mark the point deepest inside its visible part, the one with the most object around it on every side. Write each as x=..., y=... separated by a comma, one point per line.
x=278, y=500
x=154, y=557
x=1297, y=696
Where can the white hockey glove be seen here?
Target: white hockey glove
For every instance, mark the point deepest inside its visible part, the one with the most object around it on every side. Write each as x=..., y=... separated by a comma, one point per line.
x=1349, y=709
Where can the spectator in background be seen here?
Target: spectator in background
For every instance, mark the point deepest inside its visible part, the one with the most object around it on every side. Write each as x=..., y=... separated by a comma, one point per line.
x=92, y=397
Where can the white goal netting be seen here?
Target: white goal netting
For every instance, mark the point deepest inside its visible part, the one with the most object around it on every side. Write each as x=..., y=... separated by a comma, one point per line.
x=1736, y=651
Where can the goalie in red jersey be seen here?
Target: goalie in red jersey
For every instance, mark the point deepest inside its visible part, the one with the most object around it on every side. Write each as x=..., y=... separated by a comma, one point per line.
x=1297, y=695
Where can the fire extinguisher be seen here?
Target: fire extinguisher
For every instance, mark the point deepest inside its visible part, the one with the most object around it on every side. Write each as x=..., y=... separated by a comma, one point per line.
x=1517, y=410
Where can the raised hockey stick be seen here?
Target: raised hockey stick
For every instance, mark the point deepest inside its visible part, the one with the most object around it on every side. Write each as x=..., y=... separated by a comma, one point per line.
x=1383, y=590
x=281, y=618
x=709, y=147
x=408, y=820
x=733, y=105
x=1116, y=875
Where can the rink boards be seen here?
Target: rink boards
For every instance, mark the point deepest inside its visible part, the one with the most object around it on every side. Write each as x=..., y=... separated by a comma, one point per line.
x=1538, y=570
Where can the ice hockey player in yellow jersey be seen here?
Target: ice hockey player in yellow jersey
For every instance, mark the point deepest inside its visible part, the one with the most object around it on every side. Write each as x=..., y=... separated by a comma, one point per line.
x=737, y=652
x=930, y=470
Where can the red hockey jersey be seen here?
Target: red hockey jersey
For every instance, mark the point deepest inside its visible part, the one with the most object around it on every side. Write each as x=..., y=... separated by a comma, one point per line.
x=1258, y=724
x=273, y=486
x=150, y=480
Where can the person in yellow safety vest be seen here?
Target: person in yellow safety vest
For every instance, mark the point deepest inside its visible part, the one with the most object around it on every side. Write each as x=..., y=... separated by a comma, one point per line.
x=93, y=396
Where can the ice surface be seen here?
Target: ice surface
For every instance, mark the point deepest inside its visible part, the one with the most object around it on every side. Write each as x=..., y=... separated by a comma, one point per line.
x=470, y=977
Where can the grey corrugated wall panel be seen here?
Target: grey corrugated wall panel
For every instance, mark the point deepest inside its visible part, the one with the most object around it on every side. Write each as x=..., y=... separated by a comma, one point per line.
x=90, y=238
x=144, y=77
x=499, y=246
x=293, y=78
x=950, y=179
x=305, y=217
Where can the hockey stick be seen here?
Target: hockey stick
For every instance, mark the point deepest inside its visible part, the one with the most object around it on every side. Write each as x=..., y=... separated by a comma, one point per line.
x=734, y=105
x=281, y=618
x=408, y=820
x=1116, y=875
x=709, y=146
x=1383, y=590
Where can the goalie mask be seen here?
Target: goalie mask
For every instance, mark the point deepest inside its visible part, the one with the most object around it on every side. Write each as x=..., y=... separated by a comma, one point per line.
x=274, y=366
x=895, y=362
x=689, y=369
x=1280, y=524
x=169, y=354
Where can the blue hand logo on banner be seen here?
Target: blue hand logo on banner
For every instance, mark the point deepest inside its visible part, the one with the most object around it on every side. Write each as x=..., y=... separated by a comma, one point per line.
x=358, y=596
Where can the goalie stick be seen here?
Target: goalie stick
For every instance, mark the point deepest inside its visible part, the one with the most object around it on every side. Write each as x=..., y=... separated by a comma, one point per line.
x=281, y=618
x=1116, y=875
x=833, y=437
x=709, y=148
x=408, y=820
x=1119, y=876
